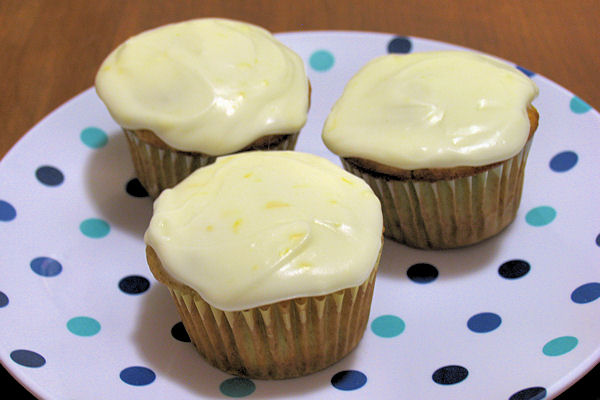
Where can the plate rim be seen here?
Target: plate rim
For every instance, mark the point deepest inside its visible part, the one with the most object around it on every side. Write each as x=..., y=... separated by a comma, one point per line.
x=20, y=374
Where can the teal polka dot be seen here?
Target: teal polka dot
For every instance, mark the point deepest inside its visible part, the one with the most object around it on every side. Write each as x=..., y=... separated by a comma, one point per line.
x=540, y=216
x=94, y=137
x=321, y=60
x=560, y=345
x=579, y=106
x=83, y=326
x=94, y=228
x=387, y=326
x=237, y=387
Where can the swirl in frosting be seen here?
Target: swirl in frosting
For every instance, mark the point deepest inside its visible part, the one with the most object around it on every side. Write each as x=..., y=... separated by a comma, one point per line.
x=432, y=110
x=206, y=85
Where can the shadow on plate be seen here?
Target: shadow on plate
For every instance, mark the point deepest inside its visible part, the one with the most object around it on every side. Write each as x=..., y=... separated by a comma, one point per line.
x=107, y=175
x=180, y=363
x=397, y=258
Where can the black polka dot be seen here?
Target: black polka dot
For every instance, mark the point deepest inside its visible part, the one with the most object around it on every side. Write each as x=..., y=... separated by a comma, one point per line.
x=134, y=284
x=49, y=176
x=134, y=188
x=532, y=393
x=400, y=44
x=3, y=299
x=598, y=240
x=450, y=374
x=514, y=269
x=28, y=358
x=178, y=332
x=422, y=273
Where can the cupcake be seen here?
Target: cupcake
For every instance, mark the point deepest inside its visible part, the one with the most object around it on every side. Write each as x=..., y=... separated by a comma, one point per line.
x=270, y=257
x=188, y=92
x=442, y=138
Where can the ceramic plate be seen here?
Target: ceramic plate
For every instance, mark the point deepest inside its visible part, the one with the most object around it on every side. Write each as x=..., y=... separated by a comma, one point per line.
x=514, y=317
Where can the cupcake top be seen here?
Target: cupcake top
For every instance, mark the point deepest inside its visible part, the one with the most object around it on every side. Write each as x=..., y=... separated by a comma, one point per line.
x=432, y=110
x=256, y=228
x=205, y=85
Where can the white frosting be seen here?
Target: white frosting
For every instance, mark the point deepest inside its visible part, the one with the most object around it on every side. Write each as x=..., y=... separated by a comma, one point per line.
x=432, y=110
x=260, y=227
x=206, y=85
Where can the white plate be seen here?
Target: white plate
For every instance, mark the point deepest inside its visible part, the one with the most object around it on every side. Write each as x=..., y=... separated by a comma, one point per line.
x=70, y=238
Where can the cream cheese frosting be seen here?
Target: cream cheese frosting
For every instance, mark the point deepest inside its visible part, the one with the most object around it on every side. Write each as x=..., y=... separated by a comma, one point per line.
x=259, y=227
x=432, y=110
x=207, y=85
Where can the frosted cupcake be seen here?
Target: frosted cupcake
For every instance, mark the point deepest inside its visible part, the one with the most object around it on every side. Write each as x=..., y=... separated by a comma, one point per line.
x=442, y=138
x=271, y=260
x=187, y=92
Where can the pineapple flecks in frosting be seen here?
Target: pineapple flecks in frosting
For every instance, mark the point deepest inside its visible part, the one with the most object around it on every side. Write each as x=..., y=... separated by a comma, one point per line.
x=206, y=85
x=432, y=110
x=260, y=227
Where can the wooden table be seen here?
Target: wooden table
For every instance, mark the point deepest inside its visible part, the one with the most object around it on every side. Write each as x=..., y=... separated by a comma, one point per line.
x=51, y=49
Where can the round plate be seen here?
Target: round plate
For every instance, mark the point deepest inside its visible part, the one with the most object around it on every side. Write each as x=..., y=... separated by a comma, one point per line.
x=514, y=317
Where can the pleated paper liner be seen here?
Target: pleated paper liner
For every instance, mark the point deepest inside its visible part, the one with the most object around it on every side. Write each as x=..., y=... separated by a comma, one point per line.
x=451, y=213
x=283, y=340
x=159, y=166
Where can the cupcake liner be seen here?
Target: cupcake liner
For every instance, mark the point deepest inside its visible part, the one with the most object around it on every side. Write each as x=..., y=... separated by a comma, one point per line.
x=449, y=213
x=282, y=340
x=159, y=168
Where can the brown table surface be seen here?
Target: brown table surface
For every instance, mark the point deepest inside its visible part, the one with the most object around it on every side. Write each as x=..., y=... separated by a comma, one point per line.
x=51, y=50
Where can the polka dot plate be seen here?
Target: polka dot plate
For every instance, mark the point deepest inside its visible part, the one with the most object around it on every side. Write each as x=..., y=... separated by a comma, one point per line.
x=514, y=317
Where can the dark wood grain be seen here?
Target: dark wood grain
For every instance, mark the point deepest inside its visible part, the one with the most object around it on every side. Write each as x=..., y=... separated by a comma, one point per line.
x=51, y=49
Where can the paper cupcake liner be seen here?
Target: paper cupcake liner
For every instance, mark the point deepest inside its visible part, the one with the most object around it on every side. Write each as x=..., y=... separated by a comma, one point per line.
x=449, y=213
x=282, y=340
x=159, y=168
